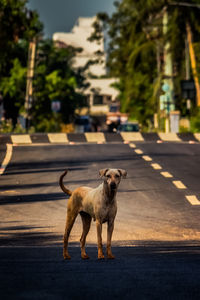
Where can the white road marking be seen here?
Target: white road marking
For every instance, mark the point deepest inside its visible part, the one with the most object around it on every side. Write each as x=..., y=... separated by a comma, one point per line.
x=95, y=137
x=179, y=184
x=197, y=136
x=170, y=137
x=21, y=139
x=147, y=158
x=7, y=158
x=193, y=200
x=156, y=166
x=132, y=136
x=166, y=174
x=58, y=138
x=138, y=151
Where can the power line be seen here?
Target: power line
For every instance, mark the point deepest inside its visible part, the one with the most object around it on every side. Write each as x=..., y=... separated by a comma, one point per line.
x=185, y=4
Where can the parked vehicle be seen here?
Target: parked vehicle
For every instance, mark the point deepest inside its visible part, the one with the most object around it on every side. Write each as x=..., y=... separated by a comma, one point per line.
x=114, y=117
x=129, y=127
x=83, y=124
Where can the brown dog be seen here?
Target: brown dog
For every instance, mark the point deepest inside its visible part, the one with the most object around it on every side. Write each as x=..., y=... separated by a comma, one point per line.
x=99, y=203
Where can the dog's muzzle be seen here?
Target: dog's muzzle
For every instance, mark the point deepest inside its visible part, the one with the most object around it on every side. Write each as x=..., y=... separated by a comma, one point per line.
x=113, y=186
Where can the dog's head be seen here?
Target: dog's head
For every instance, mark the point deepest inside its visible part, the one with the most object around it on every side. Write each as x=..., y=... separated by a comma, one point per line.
x=112, y=177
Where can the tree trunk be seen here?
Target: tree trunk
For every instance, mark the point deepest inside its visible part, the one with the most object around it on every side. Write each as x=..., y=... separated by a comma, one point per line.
x=193, y=63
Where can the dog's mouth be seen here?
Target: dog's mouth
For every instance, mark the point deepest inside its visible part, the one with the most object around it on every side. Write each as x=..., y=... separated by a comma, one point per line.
x=113, y=187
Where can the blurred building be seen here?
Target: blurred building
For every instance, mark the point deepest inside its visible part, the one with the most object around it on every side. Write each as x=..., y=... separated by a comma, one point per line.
x=100, y=93
x=78, y=38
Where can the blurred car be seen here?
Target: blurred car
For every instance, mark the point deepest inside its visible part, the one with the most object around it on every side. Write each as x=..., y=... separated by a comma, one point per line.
x=114, y=117
x=83, y=124
x=128, y=127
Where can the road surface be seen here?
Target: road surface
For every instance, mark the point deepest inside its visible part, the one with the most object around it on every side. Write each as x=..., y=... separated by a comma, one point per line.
x=156, y=238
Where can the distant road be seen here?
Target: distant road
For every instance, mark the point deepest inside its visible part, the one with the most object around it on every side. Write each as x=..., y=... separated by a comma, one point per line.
x=156, y=239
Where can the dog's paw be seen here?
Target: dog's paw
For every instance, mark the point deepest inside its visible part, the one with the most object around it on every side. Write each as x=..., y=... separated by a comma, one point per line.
x=66, y=256
x=110, y=256
x=101, y=256
x=85, y=256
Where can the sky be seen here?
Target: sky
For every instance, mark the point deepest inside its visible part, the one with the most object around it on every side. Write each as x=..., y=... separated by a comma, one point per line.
x=61, y=15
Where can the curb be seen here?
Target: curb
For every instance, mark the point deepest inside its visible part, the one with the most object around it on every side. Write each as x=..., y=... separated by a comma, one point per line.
x=97, y=137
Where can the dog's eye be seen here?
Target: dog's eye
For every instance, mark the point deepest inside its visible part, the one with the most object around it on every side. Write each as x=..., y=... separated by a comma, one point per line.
x=108, y=176
x=117, y=176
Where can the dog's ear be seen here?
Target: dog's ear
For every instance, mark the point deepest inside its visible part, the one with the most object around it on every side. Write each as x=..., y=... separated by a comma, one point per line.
x=123, y=173
x=102, y=172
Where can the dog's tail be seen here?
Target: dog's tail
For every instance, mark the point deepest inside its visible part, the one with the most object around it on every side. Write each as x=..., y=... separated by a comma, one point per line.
x=65, y=190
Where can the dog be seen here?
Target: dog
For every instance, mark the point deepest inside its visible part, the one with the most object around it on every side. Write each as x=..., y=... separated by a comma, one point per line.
x=97, y=203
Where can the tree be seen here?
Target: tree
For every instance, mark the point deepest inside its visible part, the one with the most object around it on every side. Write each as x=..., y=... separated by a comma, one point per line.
x=136, y=48
x=16, y=23
x=18, y=26
x=55, y=79
x=13, y=90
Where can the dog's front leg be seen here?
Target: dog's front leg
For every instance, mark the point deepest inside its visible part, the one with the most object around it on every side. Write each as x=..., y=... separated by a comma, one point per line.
x=109, y=237
x=99, y=239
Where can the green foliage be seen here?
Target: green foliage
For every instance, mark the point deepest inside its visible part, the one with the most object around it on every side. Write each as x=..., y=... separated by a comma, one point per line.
x=132, y=56
x=18, y=26
x=195, y=121
x=55, y=79
x=13, y=90
x=135, y=50
x=13, y=84
x=16, y=23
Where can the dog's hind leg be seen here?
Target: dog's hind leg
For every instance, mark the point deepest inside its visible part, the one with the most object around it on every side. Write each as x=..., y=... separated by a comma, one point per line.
x=86, y=220
x=71, y=217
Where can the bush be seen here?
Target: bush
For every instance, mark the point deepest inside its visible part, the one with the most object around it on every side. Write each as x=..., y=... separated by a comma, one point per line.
x=195, y=122
x=48, y=125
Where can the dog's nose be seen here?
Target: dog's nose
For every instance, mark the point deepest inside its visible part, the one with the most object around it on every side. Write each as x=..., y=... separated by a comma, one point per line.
x=113, y=185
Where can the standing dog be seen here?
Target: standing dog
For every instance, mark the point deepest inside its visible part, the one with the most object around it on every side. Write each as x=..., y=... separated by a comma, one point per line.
x=99, y=203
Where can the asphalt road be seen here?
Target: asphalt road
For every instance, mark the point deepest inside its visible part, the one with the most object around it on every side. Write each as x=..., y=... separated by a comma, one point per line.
x=156, y=239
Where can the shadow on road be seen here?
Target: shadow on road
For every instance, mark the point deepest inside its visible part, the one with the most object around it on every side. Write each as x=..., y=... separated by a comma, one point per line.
x=154, y=270
x=20, y=199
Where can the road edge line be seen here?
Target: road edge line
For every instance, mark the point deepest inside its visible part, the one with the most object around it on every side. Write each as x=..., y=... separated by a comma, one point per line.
x=7, y=158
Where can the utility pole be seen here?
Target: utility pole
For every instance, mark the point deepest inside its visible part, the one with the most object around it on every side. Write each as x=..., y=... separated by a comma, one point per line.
x=191, y=49
x=168, y=73
x=29, y=82
x=193, y=63
x=187, y=60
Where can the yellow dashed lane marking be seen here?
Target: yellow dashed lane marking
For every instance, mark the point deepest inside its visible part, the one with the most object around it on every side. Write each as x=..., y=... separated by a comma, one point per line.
x=193, y=200
x=179, y=184
x=138, y=151
x=132, y=145
x=166, y=174
x=156, y=166
x=147, y=158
